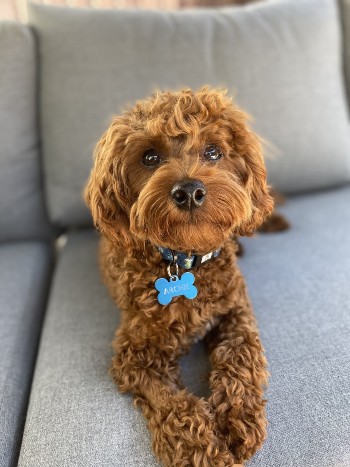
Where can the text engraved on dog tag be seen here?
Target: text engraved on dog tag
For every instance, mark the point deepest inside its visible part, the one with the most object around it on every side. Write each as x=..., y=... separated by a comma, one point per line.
x=175, y=287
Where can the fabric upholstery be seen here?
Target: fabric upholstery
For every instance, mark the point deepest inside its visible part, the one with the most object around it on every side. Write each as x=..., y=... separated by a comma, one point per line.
x=25, y=270
x=345, y=17
x=299, y=285
x=282, y=59
x=21, y=200
x=298, y=281
x=82, y=420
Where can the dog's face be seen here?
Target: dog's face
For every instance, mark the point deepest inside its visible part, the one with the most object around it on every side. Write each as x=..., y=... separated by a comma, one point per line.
x=181, y=170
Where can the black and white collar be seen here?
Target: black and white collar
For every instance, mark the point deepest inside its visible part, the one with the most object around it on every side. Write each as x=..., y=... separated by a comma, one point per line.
x=184, y=260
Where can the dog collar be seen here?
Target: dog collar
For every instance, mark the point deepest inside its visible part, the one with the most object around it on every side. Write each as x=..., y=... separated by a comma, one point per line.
x=184, y=260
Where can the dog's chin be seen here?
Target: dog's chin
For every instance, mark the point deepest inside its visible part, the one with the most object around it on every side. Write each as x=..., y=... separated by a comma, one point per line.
x=196, y=241
x=198, y=238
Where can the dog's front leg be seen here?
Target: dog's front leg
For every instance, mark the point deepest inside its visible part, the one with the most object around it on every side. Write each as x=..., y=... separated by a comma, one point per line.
x=238, y=378
x=182, y=425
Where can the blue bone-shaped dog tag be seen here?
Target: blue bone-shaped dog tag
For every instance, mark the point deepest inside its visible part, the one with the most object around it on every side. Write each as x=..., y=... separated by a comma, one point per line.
x=174, y=287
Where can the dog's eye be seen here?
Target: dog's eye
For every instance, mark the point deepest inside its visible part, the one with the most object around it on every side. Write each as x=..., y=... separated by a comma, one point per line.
x=151, y=158
x=212, y=153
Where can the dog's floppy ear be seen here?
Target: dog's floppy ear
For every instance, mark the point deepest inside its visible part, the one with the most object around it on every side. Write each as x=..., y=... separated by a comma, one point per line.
x=105, y=192
x=247, y=145
x=256, y=185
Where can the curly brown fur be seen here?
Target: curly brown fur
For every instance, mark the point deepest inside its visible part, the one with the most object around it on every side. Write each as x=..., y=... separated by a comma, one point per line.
x=276, y=222
x=132, y=208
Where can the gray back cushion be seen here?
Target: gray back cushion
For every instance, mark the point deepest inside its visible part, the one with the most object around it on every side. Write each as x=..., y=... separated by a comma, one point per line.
x=345, y=14
x=21, y=198
x=281, y=59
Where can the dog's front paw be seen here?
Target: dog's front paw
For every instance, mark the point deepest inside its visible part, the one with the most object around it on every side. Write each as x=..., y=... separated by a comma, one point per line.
x=237, y=395
x=244, y=428
x=185, y=434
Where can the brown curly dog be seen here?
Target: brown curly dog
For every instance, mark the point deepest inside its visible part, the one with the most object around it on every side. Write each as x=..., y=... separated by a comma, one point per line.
x=180, y=174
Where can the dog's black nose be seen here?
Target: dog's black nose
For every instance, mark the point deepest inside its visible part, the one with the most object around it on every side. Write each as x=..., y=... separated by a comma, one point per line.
x=188, y=194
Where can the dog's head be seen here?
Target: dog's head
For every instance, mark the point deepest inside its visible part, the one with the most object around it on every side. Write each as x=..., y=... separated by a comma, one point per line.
x=181, y=170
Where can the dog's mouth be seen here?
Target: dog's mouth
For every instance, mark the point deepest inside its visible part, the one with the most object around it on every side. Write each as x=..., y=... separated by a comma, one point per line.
x=186, y=237
x=199, y=231
x=194, y=212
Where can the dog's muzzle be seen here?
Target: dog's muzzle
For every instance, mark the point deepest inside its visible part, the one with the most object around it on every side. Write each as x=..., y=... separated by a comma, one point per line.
x=188, y=194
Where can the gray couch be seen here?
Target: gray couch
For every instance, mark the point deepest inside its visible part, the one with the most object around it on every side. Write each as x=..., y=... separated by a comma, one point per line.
x=62, y=77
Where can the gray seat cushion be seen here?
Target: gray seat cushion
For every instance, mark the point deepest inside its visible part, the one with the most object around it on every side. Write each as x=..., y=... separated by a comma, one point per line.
x=76, y=416
x=299, y=283
x=22, y=214
x=25, y=271
x=282, y=59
